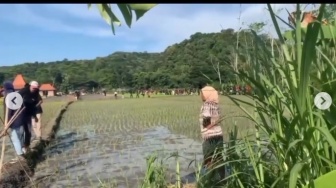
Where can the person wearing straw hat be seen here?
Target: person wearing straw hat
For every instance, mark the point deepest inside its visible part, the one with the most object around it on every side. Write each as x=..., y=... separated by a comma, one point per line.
x=211, y=131
x=16, y=126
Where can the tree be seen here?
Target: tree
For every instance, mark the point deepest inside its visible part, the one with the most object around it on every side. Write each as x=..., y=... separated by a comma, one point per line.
x=330, y=10
x=180, y=65
x=258, y=27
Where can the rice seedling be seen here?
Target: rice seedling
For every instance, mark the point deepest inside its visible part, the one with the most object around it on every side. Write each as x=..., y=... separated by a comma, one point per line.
x=126, y=132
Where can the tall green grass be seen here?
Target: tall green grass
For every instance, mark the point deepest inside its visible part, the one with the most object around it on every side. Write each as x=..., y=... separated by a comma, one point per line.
x=301, y=143
x=294, y=141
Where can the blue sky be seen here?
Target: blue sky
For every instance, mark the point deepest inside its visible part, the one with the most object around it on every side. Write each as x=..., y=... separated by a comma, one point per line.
x=50, y=32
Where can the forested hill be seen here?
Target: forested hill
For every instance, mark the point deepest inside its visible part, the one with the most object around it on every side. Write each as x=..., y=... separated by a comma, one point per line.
x=181, y=65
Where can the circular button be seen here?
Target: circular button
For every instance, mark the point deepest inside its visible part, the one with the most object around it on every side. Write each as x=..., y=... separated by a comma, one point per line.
x=322, y=101
x=13, y=101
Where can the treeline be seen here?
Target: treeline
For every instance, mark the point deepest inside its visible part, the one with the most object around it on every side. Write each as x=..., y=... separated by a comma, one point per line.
x=201, y=58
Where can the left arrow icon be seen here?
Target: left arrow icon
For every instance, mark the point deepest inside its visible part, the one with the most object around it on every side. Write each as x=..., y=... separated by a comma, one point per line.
x=13, y=101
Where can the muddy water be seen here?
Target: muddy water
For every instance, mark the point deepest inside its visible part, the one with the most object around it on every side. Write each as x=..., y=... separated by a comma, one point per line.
x=91, y=159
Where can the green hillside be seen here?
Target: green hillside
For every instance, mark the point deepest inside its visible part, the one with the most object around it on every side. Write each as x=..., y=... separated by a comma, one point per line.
x=180, y=65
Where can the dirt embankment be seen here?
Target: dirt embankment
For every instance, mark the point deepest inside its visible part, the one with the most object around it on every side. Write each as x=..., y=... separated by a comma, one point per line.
x=19, y=174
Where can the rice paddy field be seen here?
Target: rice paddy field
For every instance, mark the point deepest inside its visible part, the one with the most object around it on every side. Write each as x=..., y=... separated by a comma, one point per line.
x=104, y=143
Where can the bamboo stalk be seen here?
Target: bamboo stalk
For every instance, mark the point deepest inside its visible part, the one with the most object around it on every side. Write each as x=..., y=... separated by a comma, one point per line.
x=16, y=114
x=15, y=153
x=4, y=132
x=3, y=142
x=3, y=122
x=7, y=126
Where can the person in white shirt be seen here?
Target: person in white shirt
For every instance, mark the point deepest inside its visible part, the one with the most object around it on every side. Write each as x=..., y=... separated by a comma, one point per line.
x=115, y=94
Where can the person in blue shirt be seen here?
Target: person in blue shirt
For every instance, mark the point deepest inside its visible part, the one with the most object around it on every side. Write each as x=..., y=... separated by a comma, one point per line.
x=17, y=126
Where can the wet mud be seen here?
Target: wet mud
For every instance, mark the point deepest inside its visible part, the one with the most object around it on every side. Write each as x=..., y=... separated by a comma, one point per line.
x=89, y=158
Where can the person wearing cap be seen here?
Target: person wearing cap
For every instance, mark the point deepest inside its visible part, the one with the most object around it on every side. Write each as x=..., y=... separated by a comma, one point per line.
x=29, y=102
x=36, y=124
x=16, y=127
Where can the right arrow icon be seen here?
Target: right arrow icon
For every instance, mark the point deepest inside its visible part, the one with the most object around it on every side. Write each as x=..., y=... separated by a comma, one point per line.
x=322, y=101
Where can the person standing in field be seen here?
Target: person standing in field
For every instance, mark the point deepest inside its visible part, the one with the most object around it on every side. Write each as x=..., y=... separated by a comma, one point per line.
x=30, y=103
x=38, y=110
x=148, y=92
x=115, y=94
x=17, y=126
x=211, y=131
x=77, y=94
x=137, y=94
x=131, y=93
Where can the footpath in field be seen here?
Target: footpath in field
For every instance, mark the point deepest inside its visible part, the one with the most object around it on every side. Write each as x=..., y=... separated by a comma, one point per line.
x=19, y=174
x=89, y=150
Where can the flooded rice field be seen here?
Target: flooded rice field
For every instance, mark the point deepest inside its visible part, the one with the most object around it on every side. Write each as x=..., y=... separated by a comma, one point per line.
x=104, y=143
x=87, y=159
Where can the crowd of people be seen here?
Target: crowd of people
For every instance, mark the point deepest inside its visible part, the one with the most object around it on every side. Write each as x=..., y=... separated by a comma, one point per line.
x=25, y=120
x=231, y=90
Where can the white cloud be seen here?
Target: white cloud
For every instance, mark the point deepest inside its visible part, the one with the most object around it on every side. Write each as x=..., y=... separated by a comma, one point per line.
x=161, y=24
x=164, y=25
x=25, y=15
x=77, y=10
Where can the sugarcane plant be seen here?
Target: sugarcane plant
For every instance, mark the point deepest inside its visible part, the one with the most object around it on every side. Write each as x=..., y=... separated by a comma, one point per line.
x=300, y=137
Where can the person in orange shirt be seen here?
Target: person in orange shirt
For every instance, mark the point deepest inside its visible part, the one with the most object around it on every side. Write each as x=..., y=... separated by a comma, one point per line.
x=211, y=130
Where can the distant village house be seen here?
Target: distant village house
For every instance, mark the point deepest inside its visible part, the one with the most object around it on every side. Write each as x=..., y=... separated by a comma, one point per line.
x=19, y=82
x=46, y=90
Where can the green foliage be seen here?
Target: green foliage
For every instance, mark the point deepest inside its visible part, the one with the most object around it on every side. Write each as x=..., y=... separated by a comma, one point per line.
x=126, y=10
x=327, y=31
x=155, y=176
x=181, y=65
x=257, y=26
x=329, y=12
x=300, y=139
x=326, y=180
